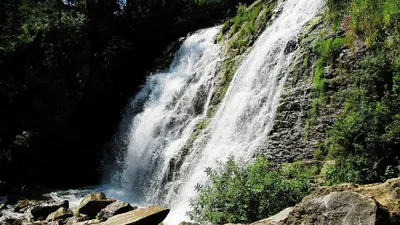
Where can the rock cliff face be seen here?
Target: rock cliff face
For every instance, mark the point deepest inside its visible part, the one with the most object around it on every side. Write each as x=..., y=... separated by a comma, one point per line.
x=301, y=121
x=287, y=140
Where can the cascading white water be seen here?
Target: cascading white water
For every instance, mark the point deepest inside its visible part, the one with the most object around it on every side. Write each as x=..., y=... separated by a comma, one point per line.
x=175, y=101
x=241, y=124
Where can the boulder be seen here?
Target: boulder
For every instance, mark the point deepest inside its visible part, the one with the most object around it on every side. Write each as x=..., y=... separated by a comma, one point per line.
x=152, y=215
x=22, y=206
x=3, y=206
x=335, y=208
x=42, y=211
x=61, y=213
x=276, y=219
x=115, y=208
x=344, y=204
x=77, y=218
x=93, y=203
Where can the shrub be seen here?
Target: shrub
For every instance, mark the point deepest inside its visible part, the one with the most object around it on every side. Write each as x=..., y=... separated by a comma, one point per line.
x=243, y=193
x=365, y=136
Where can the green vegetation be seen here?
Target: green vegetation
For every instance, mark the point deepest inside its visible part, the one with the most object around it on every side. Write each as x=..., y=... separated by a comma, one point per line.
x=365, y=137
x=247, y=23
x=373, y=21
x=244, y=193
x=326, y=51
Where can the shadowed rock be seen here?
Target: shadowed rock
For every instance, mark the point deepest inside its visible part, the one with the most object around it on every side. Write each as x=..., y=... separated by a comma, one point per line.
x=42, y=211
x=61, y=213
x=152, y=215
x=115, y=208
x=93, y=203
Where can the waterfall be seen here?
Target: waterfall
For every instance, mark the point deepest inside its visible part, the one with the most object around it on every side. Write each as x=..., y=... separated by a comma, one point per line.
x=175, y=101
x=169, y=105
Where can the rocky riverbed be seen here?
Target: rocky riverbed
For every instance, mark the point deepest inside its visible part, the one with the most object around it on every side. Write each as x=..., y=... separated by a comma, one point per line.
x=373, y=204
x=94, y=208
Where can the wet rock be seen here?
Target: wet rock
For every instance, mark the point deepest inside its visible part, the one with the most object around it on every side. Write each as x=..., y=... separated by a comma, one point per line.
x=164, y=61
x=3, y=206
x=61, y=213
x=22, y=206
x=42, y=211
x=115, y=208
x=291, y=46
x=152, y=215
x=14, y=221
x=93, y=203
x=200, y=100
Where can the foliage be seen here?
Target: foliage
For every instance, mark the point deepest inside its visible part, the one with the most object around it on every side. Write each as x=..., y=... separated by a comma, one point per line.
x=326, y=51
x=364, y=139
x=369, y=19
x=367, y=130
x=244, y=24
x=243, y=193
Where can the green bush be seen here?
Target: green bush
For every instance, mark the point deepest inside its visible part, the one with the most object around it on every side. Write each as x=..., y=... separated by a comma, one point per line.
x=365, y=136
x=243, y=193
x=244, y=23
x=369, y=19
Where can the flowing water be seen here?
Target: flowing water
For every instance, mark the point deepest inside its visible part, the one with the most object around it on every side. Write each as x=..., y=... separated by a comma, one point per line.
x=176, y=100
x=173, y=103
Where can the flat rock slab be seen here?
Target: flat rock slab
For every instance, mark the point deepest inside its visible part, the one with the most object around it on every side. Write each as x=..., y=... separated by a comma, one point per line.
x=152, y=215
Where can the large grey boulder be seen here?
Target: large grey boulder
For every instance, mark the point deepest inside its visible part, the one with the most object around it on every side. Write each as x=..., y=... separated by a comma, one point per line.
x=115, y=208
x=276, y=219
x=93, y=203
x=152, y=215
x=335, y=208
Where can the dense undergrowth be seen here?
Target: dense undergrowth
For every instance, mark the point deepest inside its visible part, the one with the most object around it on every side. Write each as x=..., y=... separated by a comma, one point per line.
x=242, y=193
x=364, y=141
x=365, y=137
